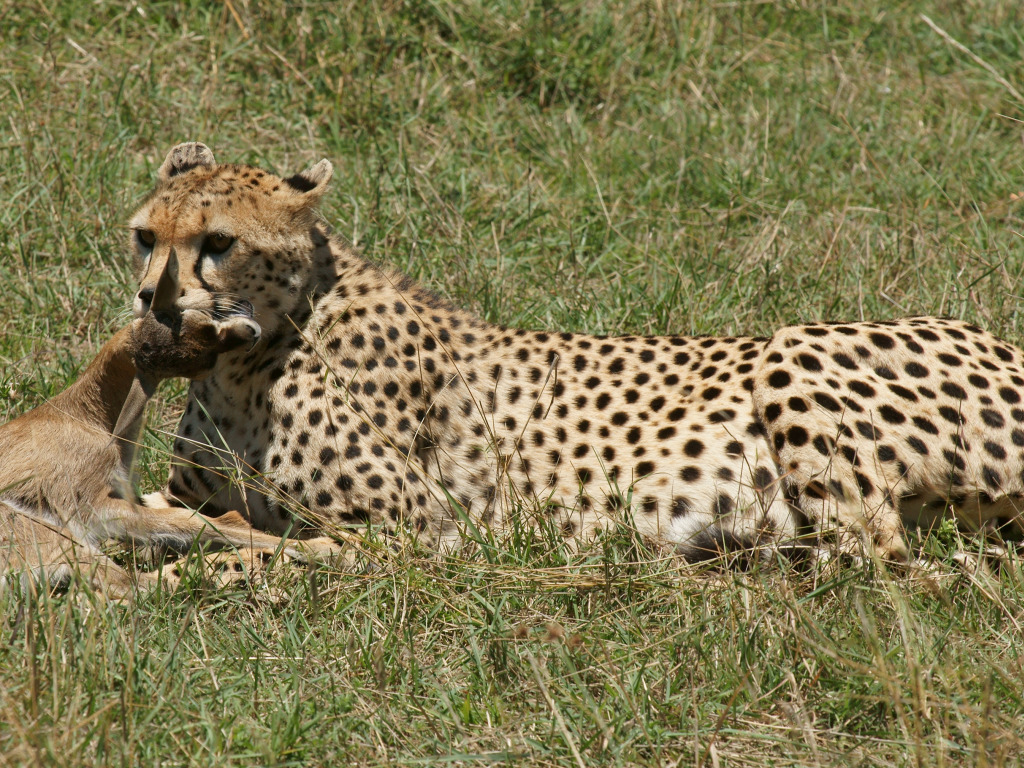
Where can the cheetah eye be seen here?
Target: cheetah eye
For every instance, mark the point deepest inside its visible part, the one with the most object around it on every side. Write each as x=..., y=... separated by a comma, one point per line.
x=217, y=243
x=145, y=237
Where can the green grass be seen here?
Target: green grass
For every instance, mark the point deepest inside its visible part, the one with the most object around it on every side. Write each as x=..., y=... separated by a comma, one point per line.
x=591, y=166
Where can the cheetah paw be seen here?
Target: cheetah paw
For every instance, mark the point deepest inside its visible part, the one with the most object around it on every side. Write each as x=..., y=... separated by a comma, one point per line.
x=228, y=567
x=990, y=560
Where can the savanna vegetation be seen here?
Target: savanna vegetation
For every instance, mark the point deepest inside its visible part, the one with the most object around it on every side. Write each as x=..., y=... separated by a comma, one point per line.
x=607, y=167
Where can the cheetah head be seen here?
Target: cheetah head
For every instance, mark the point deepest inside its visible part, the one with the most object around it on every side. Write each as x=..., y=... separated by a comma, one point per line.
x=245, y=239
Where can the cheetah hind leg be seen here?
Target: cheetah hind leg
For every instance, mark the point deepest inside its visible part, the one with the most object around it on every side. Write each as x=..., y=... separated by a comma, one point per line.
x=990, y=559
x=993, y=553
x=252, y=565
x=847, y=528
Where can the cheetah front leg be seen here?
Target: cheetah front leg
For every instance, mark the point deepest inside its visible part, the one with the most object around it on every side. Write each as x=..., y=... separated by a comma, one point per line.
x=228, y=567
x=179, y=528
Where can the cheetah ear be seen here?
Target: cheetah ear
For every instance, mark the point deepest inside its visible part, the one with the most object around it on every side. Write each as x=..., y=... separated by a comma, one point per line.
x=185, y=157
x=312, y=182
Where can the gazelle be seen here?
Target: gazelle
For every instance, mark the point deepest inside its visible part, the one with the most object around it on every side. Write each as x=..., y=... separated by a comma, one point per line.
x=65, y=466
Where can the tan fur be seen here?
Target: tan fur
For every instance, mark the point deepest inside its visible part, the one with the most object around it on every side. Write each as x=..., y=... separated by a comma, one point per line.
x=881, y=425
x=65, y=481
x=369, y=401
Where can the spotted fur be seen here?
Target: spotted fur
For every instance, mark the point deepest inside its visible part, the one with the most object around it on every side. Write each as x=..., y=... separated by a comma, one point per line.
x=878, y=425
x=369, y=401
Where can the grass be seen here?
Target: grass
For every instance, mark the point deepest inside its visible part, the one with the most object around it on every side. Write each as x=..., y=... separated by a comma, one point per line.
x=601, y=167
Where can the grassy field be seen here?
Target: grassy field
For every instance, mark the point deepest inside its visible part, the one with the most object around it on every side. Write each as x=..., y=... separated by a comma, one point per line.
x=640, y=167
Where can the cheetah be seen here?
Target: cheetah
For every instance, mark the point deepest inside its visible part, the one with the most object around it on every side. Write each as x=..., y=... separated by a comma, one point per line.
x=371, y=402
x=877, y=425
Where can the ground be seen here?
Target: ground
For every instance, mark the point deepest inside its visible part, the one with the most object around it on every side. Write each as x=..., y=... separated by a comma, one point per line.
x=641, y=168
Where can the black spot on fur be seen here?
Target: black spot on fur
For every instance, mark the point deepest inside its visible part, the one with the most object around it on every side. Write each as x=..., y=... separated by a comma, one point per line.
x=953, y=390
x=917, y=445
x=868, y=430
x=952, y=415
x=992, y=418
x=862, y=389
x=809, y=362
x=882, y=340
x=891, y=415
x=978, y=381
x=693, y=448
x=885, y=372
x=797, y=435
x=991, y=477
x=954, y=458
x=903, y=392
x=724, y=504
x=763, y=478
x=845, y=361
x=916, y=370
x=864, y=484
x=995, y=450
x=826, y=401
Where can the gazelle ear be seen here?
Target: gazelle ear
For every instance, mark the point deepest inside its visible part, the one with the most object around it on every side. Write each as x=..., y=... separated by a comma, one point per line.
x=236, y=332
x=167, y=286
x=312, y=182
x=185, y=157
x=134, y=407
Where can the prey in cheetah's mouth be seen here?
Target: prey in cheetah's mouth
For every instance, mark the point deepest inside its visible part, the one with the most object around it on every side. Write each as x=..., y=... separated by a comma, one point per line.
x=196, y=336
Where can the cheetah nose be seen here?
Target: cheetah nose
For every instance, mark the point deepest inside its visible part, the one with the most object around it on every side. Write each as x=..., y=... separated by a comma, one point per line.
x=146, y=298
